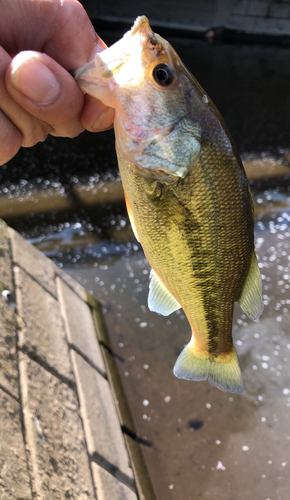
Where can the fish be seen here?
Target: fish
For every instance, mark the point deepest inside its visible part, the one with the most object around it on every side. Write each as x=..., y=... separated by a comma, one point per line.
x=187, y=197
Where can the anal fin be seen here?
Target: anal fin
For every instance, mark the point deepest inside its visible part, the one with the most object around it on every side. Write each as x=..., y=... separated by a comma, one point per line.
x=159, y=299
x=251, y=300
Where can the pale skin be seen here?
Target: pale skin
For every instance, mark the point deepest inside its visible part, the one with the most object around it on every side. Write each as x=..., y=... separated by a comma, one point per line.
x=41, y=41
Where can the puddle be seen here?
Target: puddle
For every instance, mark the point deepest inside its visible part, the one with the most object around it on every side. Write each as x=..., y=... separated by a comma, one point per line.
x=202, y=443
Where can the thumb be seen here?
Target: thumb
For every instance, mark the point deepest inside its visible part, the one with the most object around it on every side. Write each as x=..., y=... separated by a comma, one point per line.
x=46, y=91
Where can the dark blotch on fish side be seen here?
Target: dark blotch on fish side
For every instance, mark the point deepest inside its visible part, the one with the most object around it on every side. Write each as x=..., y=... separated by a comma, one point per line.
x=195, y=425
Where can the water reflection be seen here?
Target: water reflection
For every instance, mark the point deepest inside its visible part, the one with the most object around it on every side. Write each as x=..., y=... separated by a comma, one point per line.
x=203, y=443
x=203, y=440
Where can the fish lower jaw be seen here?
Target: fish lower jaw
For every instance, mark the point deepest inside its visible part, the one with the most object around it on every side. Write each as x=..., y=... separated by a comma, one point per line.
x=91, y=82
x=95, y=88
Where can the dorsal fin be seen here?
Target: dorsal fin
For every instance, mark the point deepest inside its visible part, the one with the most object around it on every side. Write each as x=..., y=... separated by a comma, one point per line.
x=251, y=300
x=159, y=299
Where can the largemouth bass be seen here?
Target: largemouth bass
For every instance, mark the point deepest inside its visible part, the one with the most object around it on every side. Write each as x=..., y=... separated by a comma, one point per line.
x=187, y=196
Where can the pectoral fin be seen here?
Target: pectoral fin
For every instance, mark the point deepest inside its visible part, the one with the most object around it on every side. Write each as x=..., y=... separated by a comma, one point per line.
x=159, y=299
x=251, y=300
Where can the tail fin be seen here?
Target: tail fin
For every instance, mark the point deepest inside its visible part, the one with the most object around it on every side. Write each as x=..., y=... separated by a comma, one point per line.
x=222, y=371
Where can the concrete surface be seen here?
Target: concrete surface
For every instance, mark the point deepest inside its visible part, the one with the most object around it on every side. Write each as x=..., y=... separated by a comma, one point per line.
x=60, y=435
x=260, y=17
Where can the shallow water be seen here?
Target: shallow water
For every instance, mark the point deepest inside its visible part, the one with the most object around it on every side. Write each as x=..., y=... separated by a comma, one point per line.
x=201, y=442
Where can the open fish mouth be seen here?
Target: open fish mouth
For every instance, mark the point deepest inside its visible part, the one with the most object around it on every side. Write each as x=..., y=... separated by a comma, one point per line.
x=140, y=23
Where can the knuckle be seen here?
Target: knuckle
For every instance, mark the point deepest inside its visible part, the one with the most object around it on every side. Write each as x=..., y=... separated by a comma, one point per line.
x=10, y=139
x=70, y=130
x=35, y=131
x=75, y=132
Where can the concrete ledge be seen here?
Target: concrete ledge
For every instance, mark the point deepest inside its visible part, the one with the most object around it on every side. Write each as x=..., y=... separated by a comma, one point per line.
x=60, y=435
x=271, y=17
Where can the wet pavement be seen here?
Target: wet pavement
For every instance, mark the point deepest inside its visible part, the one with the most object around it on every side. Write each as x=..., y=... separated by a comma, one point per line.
x=198, y=441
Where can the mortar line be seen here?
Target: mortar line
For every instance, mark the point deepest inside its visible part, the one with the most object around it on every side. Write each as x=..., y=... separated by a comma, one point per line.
x=66, y=327
x=26, y=430
x=43, y=363
x=58, y=273
x=16, y=264
x=9, y=393
x=87, y=360
x=55, y=277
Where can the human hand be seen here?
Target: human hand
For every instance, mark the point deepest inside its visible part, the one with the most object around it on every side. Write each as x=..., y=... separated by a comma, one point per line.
x=40, y=42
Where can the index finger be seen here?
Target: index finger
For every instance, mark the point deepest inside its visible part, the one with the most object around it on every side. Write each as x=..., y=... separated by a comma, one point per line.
x=59, y=28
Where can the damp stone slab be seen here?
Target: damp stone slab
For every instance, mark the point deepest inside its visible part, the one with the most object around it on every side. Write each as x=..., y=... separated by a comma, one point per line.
x=59, y=459
x=110, y=488
x=8, y=352
x=33, y=262
x=6, y=277
x=14, y=476
x=80, y=326
x=42, y=335
x=106, y=441
x=60, y=435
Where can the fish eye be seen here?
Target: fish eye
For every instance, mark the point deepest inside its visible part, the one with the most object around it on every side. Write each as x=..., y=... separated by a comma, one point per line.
x=163, y=74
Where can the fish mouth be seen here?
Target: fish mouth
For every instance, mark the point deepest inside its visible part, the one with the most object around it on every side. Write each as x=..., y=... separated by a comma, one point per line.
x=122, y=64
x=140, y=22
x=129, y=47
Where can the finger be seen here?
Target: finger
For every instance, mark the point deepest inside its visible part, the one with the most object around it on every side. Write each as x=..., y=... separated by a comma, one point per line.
x=10, y=139
x=46, y=91
x=96, y=117
x=31, y=129
x=75, y=41
x=59, y=28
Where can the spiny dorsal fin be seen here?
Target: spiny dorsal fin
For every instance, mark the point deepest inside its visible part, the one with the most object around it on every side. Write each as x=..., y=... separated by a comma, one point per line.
x=159, y=299
x=251, y=300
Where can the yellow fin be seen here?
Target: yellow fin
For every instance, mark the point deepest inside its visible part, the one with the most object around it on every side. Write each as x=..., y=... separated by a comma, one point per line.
x=251, y=300
x=221, y=371
x=159, y=299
